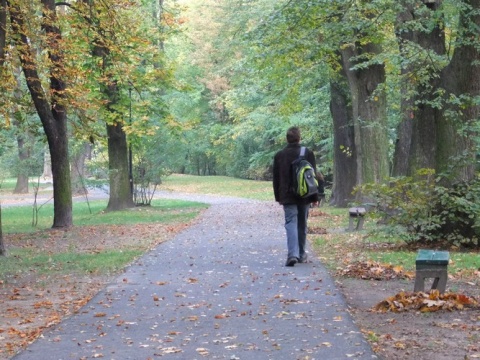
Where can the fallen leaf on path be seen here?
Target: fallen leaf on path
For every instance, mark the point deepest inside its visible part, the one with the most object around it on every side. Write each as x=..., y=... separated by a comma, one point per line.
x=221, y=316
x=202, y=351
x=171, y=350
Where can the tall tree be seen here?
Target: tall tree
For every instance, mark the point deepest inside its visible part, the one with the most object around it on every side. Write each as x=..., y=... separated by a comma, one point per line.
x=3, y=37
x=369, y=112
x=3, y=250
x=457, y=124
x=343, y=141
x=80, y=154
x=127, y=55
x=120, y=190
x=441, y=112
x=422, y=41
x=50, y=106
x=3, y=31
x=21, y=186
x=99, y=17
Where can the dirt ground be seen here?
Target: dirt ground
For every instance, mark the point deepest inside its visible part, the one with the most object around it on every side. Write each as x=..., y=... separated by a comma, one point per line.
x=439, y=335
x=32, y=302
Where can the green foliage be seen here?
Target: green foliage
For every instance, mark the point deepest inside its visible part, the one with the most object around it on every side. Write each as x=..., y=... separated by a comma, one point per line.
x=428, y=212
x=234, y=110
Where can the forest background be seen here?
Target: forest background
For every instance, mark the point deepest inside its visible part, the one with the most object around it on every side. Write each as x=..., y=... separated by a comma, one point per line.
x=385, y=92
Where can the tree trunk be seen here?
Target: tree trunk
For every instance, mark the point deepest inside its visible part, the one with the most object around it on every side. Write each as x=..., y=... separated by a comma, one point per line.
x=21, y=187
x=401, y=156
x=78, y=169
x=24, y=141
x=436, y=141
x=120, y=194
x=345, y=165
x=423, y=152
x=57, y=132
x=52, y=115
x=62, y=190
x=403, y=142
x=417, y=147
x=369, y=114
x=3, y=32
x=461, y=78
x=47, y=164
x=3, y=250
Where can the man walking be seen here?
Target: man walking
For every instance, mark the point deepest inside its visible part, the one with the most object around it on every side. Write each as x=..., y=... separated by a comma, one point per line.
x=295, y=207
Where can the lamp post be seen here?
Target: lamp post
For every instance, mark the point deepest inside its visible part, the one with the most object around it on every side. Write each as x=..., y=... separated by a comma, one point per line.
x=130, y=161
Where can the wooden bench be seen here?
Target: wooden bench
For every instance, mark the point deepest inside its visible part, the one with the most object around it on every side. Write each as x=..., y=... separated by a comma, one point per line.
x=356, y=214
x=431, y=264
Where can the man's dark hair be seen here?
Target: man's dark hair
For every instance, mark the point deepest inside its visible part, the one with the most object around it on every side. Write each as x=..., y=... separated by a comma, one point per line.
x=293, y=135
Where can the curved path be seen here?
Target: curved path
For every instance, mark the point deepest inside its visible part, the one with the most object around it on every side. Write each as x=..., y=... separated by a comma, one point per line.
x=218, y=290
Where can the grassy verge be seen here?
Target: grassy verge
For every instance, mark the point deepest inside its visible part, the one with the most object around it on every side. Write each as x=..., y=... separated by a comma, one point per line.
x=100, y=242
x=338, y=248
x=7, y=185
x=18, y=219
x=28, y=262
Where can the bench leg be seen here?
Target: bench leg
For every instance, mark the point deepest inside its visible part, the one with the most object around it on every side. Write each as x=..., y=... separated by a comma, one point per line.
x=350, y=224
x=439, y=282
x=360, y=223
x=442, y=282
x=419, y=283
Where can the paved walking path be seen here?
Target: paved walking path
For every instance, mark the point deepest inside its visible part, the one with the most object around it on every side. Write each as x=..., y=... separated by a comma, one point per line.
x=218, y=290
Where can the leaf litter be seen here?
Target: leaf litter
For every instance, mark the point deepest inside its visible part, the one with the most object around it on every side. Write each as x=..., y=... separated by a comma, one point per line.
x=426, y=302
x=31, y=302
x=372, y=270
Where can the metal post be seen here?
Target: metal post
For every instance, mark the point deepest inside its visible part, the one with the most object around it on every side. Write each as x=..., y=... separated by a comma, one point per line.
x=130, y=161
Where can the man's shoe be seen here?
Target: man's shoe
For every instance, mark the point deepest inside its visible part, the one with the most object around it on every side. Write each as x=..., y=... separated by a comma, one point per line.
x=303, y=259
x=291, y=261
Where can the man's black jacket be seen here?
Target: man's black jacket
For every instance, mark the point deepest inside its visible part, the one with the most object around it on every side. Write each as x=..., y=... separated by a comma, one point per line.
x=282, y=177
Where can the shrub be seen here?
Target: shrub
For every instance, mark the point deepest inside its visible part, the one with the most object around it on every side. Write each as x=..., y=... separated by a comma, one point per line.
x=428, y=212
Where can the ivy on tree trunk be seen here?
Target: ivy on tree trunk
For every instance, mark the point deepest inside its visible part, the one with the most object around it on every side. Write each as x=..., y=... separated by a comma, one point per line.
x=369, y=112
x=344, y=171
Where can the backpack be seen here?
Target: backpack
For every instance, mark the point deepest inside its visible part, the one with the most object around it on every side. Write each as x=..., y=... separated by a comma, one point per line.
x=304, y=181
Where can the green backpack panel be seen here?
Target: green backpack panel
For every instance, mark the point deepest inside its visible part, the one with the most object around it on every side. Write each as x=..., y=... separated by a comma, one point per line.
x=304, y=181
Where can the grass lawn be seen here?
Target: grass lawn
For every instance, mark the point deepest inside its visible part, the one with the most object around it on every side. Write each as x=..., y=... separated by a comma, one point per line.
x=221, y=185
x=100, y=242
